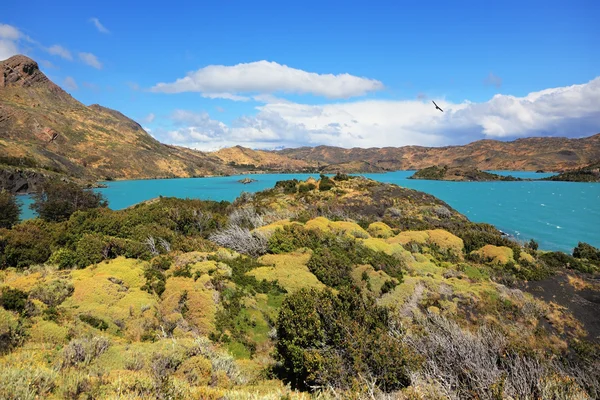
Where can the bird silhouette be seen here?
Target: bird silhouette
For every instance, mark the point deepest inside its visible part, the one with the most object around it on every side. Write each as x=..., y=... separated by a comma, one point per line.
x=54, y=136
x=436, y=106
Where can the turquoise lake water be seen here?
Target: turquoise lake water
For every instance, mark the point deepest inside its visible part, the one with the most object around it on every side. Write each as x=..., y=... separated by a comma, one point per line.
x=556, y=214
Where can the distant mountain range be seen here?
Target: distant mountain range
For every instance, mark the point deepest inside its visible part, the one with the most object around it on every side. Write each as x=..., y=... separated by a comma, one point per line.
x=44, y=131
x=530, y=154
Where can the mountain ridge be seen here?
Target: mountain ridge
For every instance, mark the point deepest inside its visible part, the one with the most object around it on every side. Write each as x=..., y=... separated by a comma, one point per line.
x=533, y=153
x=90, y=142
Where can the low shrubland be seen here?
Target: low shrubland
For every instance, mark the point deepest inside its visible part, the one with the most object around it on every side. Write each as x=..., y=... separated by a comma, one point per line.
x=332, y=288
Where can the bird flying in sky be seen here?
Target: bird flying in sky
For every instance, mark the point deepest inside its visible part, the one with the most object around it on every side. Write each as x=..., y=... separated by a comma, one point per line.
x=436, y=106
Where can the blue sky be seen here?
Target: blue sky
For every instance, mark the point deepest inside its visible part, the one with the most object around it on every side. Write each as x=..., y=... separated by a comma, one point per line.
x=399, y=56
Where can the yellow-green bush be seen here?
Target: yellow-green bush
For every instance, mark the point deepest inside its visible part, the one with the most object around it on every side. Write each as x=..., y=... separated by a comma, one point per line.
x=500, y=255
x=380, y=230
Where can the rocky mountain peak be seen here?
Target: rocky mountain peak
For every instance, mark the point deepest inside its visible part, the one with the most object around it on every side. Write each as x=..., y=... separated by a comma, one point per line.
x=20, y=70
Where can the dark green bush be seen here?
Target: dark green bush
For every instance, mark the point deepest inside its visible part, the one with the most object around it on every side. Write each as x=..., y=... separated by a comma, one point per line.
x=332, y=340
x=26, y=244
x=13, y=299
x=64, y=258
x=532, y=245
x=288, y=186
x=388, y=286
x=326, y=183
x=333, y=256
x=557, y=259
x=587, y=252
x=57, y=200
x=331, y=267
x=341, y=177
x=91, y=249
x=155, y=281
x=95, y=322
x=10, y=209
x=306, y=187
x=162, y=262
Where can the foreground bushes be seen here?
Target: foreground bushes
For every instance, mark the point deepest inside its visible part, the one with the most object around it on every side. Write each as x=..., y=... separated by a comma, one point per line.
x=57, y=200
x=334, y=256
x=587, y=252
x=327, y=340
x=9, y=209
x=484, y=365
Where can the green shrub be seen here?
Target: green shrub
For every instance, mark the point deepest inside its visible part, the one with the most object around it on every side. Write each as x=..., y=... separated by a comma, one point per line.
x=91, y=249
x=333, y=256
x=26, y=244
x=10, y=209
x=388, y=286
x=57, y=200
x=306, y=187
x=587, y=252
x=52, y=293
x=155, y=281
x=331, y=267
x=332, y=340
x=13, y=300
x=95, y=322
x=288, y=186
x=557, y=259
x=326, y=183
x=162, y=262
x=532, y=245
x=64, y=258
x=341, y=177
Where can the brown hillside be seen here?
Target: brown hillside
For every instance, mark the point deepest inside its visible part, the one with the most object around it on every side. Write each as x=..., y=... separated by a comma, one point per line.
x=548, y=153
x=90, y=142
x=242, y=157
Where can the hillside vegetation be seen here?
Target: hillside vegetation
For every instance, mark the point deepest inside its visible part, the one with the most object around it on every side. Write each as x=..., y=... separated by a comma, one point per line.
x=333, y=288
x=444, y=173
x=589, y=173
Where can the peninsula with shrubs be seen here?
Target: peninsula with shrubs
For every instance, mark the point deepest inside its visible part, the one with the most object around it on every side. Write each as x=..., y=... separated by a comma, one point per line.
x=333, y=288
x=445, y=173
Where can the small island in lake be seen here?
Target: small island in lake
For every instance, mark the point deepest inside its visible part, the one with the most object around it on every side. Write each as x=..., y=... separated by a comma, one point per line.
x=246, y=180
x=589, y=173
x=445, y=173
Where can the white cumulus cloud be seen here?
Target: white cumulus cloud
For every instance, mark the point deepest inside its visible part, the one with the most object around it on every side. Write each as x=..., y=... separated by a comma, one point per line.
x=566, y=111
x=91, y=60
x=60, y=51
x=9, y=41
x=268, y=77
x=98, y=25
